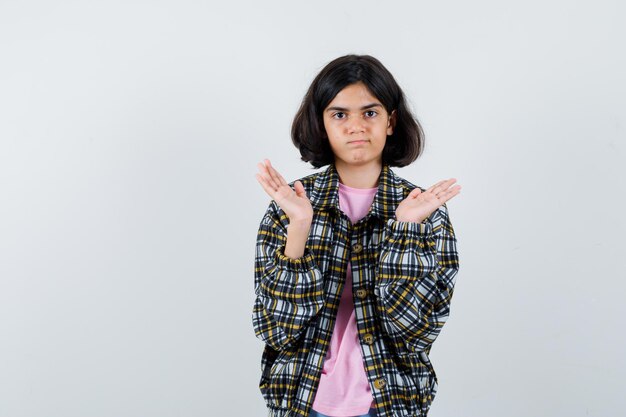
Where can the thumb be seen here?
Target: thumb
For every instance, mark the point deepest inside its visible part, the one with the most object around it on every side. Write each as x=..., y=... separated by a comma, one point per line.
x=299, y=189
x=414, y=193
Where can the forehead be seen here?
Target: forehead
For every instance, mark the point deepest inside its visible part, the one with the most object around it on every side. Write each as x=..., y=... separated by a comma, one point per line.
x=353, y=95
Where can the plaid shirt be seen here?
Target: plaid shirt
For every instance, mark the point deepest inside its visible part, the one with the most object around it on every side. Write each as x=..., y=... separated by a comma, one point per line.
x=403, y=278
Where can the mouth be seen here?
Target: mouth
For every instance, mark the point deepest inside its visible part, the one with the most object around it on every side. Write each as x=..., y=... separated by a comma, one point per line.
x=358, y=141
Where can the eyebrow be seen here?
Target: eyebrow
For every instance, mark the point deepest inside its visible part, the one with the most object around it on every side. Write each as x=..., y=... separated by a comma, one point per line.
x=367, y=106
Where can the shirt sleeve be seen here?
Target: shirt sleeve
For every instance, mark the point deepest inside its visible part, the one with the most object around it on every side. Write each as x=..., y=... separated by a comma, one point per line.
x=289, y=291
x=416, y=273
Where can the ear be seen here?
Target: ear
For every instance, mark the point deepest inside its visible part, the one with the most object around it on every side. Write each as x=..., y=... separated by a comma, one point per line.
x=391, y=124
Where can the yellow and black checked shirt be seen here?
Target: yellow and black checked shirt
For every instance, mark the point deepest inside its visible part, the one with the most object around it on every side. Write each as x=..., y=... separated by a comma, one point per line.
x=403, y=278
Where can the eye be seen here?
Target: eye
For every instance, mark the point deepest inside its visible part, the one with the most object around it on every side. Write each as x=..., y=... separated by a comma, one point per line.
x=337, y=114
x=372, y=111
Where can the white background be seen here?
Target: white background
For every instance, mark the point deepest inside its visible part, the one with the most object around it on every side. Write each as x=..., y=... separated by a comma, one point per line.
x=129, y=137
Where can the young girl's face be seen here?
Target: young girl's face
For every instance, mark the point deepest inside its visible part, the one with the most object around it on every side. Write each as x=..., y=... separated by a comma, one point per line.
x=357, y=125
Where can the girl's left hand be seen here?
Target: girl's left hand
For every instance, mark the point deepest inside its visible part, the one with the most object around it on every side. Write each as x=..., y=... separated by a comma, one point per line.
x=419, y=205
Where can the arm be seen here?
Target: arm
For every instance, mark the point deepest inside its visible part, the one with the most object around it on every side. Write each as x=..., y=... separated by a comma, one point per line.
x=417, y=271
x=289, y=291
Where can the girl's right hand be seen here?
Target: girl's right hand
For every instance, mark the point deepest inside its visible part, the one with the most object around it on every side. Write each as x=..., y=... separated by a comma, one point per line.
x=295, y=204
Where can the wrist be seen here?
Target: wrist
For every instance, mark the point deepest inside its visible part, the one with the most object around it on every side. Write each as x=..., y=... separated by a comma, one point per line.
x=402, y=219
x=304, y=224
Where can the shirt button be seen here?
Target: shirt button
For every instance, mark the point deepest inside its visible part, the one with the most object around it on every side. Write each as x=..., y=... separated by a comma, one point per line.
x=368, y=338
x=357, y=248
x=361, y=293
x=379, y=383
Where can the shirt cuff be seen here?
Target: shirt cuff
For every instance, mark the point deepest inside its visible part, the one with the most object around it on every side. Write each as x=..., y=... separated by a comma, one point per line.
x=301, y=264
x=424, y=229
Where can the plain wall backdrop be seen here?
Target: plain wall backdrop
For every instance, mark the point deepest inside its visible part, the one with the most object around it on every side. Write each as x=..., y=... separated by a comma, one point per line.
x=129, y=137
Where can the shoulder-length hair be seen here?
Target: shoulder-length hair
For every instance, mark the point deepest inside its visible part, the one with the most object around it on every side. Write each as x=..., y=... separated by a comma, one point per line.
x=403, y=147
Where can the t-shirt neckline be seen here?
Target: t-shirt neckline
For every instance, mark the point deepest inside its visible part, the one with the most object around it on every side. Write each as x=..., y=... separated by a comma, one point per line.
x=344, y=187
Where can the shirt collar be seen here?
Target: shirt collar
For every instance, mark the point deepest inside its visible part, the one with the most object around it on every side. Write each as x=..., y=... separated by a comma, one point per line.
x=324, y=195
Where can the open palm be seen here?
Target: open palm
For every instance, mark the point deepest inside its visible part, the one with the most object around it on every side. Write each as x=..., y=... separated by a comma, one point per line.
x=294, y=203
x=419, y=204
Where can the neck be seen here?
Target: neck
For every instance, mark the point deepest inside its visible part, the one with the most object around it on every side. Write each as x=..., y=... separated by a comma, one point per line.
x=359, y=176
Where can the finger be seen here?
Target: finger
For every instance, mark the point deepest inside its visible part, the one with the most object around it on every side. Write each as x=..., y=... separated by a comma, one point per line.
x=273, y=174
x=277, y=175
x=268, y=188
x=443, y=185
x=448, y=194
x=266, y=174
x=432, y=187
x=300, y=189
x=263, y=172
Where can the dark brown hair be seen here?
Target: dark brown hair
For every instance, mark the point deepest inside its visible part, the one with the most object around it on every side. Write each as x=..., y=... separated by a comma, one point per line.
x=403, y=147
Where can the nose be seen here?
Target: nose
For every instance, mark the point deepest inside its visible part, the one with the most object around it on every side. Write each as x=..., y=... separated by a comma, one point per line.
x=356, y=125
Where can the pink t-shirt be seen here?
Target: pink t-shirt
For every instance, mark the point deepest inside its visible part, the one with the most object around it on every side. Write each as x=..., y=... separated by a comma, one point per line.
x=343, y=388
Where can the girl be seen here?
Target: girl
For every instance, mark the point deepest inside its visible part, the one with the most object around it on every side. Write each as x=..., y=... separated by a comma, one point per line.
x=355, y=266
